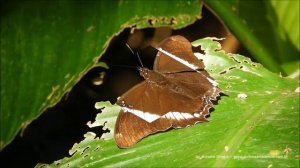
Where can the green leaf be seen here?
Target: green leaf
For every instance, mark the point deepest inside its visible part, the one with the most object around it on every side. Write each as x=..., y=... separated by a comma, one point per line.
x=268, y=29
x=47, y=46
x=256, y=124
x=288, y=15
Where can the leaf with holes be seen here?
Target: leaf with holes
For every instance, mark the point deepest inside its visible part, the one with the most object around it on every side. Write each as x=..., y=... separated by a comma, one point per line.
x=255, y=124
x=46, y=47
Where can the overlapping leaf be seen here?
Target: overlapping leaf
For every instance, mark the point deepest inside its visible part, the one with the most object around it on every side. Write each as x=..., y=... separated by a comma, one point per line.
x=47, y=46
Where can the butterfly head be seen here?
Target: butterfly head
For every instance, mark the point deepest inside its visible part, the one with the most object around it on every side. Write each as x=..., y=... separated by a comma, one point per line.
x=144, y=72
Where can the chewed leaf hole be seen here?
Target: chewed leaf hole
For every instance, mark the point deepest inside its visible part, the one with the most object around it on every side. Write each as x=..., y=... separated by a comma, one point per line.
x=234, y=59
x=84, y=150
x=231, y=68
x=223, y=72
x=96, y=149
x=173, y=21
x=151, y=22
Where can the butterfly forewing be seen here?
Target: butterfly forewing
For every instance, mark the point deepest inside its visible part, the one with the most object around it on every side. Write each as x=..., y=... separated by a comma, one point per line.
x=179, y=47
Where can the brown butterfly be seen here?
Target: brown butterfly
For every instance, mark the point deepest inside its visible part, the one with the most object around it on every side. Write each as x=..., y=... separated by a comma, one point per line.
x=177, y=93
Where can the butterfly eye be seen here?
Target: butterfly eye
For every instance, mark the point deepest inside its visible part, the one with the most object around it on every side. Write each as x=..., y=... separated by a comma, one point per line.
x=123, y=104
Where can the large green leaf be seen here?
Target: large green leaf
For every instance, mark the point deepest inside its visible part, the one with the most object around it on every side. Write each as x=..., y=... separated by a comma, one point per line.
x=47, y=46
x=256, y=124
x=268, y=29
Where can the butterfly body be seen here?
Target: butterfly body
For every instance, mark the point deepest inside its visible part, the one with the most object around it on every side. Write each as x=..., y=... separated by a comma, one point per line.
x=172, y=95
x=157, y=79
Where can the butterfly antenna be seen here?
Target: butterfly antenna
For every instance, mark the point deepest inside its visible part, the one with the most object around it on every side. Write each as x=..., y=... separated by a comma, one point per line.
x=137, y=54
x=130, y=48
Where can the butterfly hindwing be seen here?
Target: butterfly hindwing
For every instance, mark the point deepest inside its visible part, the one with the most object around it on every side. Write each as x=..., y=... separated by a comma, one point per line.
x=147, y=109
